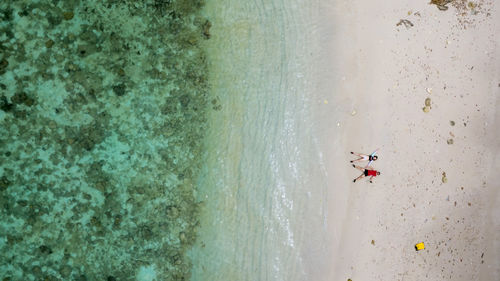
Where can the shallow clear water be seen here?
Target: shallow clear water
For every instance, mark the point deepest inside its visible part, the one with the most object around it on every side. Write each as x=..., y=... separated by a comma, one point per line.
x=102, y=119
x=263, y=185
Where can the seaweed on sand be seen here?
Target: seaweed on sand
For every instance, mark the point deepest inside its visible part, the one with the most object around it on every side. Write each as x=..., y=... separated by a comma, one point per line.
x=441, y=4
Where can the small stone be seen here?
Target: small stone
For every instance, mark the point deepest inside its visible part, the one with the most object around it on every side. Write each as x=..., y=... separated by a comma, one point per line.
x=206, y=29
x=176, y=259
x=373, y=242
x=426, y=109
x=45, y=250
x=49, y=43
x=100, y=185
x=52, y=124
x=22, y=203
x=354, y=112
x=429, y=90
x=81, y=278
x=37, y=271
x=146, y=233
x=444, y=179
x=4, y=183
x=452, y=123
x=72, y=67
x=3, y=65
x=23, y=98
x=428, y=101
x=117, y=221
x=173, y=212
x=449, y=141
x=81, y=50
x=94, y=221
x=119, y=90
x=182, y=237
x=68, y=15
x=65, y=271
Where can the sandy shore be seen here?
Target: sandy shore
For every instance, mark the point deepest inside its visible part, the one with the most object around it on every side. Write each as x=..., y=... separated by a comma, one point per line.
x=384, y=74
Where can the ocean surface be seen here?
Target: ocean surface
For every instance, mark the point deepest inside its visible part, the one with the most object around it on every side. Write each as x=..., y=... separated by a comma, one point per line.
x=161, y=140
x=263, y=182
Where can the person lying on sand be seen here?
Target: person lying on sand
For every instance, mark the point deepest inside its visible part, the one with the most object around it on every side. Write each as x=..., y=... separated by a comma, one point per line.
x=366, y=172
x=364, y=157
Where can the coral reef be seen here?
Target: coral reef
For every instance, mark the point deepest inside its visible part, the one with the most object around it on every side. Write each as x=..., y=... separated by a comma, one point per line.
x=102, y=115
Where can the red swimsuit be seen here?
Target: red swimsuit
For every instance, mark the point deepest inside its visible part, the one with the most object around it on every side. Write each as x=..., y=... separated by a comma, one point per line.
x=372, y=173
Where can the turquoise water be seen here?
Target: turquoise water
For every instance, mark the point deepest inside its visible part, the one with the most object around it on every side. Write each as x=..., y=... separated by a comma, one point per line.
x=264, y=209
x=103, y=115
x=160, y=140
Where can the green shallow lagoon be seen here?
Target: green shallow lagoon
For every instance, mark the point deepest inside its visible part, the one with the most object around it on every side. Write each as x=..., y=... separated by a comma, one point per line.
x=103, y=114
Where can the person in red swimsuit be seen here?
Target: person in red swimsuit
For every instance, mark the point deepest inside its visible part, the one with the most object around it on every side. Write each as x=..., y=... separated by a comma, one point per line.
x=368, y=172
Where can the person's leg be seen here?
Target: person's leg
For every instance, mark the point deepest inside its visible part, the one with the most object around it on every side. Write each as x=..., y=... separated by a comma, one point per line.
x=358, y=154
x=359, y=168
x=357, y=160
x=361, y=176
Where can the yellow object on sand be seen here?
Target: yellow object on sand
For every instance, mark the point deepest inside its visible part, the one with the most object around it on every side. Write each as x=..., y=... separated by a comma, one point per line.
x=420, y=246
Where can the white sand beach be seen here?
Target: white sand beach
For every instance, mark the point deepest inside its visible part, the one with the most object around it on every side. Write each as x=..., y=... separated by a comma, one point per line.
x=384, y=74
